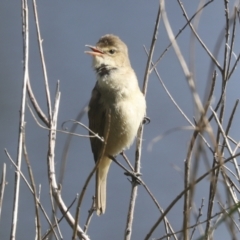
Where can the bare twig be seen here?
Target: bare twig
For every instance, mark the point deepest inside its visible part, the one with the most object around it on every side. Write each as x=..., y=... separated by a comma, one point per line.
x=51, y=155
x=198, y=218
x=40, y=40
x=181, y=111
x=2, y=186
x=140, y=181
x=54, y=217
x=215, y=53
x=230, y=222
x=199, y=39
x=194, y=225
x=214, y=182
x=226, y=53
x=234, y=66
x=179, y=196
x=222, y=218
x=225, y=77
x=181, y=60
x=227, y=143
x=35, y=104
x=230, y=122
x=90, y=214
x=67, y=145
x=151, y=51
x=127, y=160
x=128, y=229
x=226, y=179
x=68, y=141
x=86, y=127
x=63, y=216
x=51, y=170
x=68, y=132
x=52, y=138
x=231, y=46
x=200, y=127
x=200, y=109
x=180, y=31
x=30, y=188
x=25, y=32
x=38, y=221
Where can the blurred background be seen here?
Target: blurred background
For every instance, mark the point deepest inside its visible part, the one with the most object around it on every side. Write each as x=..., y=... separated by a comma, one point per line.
x=66, y=27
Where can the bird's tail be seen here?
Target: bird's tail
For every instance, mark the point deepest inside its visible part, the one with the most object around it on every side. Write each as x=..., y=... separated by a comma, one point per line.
x=101, y=185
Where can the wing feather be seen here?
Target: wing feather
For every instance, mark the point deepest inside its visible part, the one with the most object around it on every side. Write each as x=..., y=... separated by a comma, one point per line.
x=97, y=120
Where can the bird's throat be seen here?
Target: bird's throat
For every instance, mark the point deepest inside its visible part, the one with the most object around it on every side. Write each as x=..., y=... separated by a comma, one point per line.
x=104, y=70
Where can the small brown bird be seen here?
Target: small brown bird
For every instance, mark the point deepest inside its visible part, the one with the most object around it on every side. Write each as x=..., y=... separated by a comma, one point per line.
x=116, y=109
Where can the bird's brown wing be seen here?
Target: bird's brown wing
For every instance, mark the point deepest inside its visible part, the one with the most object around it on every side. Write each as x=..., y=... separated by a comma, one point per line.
x=97, y=115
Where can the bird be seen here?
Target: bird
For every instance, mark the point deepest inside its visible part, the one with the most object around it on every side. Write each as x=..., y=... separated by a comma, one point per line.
x=116, y=109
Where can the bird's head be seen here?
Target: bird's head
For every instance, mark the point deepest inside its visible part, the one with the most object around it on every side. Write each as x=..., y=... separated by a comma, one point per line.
x=110, y=51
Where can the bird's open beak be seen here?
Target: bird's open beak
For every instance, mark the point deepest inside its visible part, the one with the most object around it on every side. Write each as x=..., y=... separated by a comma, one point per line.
x=95, y=51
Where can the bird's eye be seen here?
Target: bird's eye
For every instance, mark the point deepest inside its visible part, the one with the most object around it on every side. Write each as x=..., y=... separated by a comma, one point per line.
x=111, y=51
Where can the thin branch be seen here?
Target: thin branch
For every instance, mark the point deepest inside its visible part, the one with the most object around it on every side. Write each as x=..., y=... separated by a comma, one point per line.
x=234, y=66
x=200, y=127
x=86, y=127
x=215, y=53
x=54, y=217
x=180, y=110
x=227, y=143
x=226, y=54
x=226, y=181
x=232, y=42
x=51, y=169
x=169, y=94
x=127, y=160
x=2, y=186
x=232, y=223
x=62, y=217
x=235, y=176
x=179, y=32
x=54, y=204
x=29, y=186
x=52, y=137
x=193, y=226
x=222, y=218
x=151, y=51
x=198, y=218
x=214, y=182
x=138, y=180
x=128, y=229
x=68, y=141
x=230, y=122
x=168, y=132
x=67, y=132
x=37, y=215
x=25, y=32
x=181, y=60
x=35, y=104
x=90, y=214
x=232, y=184
x=179, y=196
x=67, y=145
x=40, y=40
x=198, y=38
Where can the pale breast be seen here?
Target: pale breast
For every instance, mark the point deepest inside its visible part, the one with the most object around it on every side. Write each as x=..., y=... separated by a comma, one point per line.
x=126, y=117
x=120, y=93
